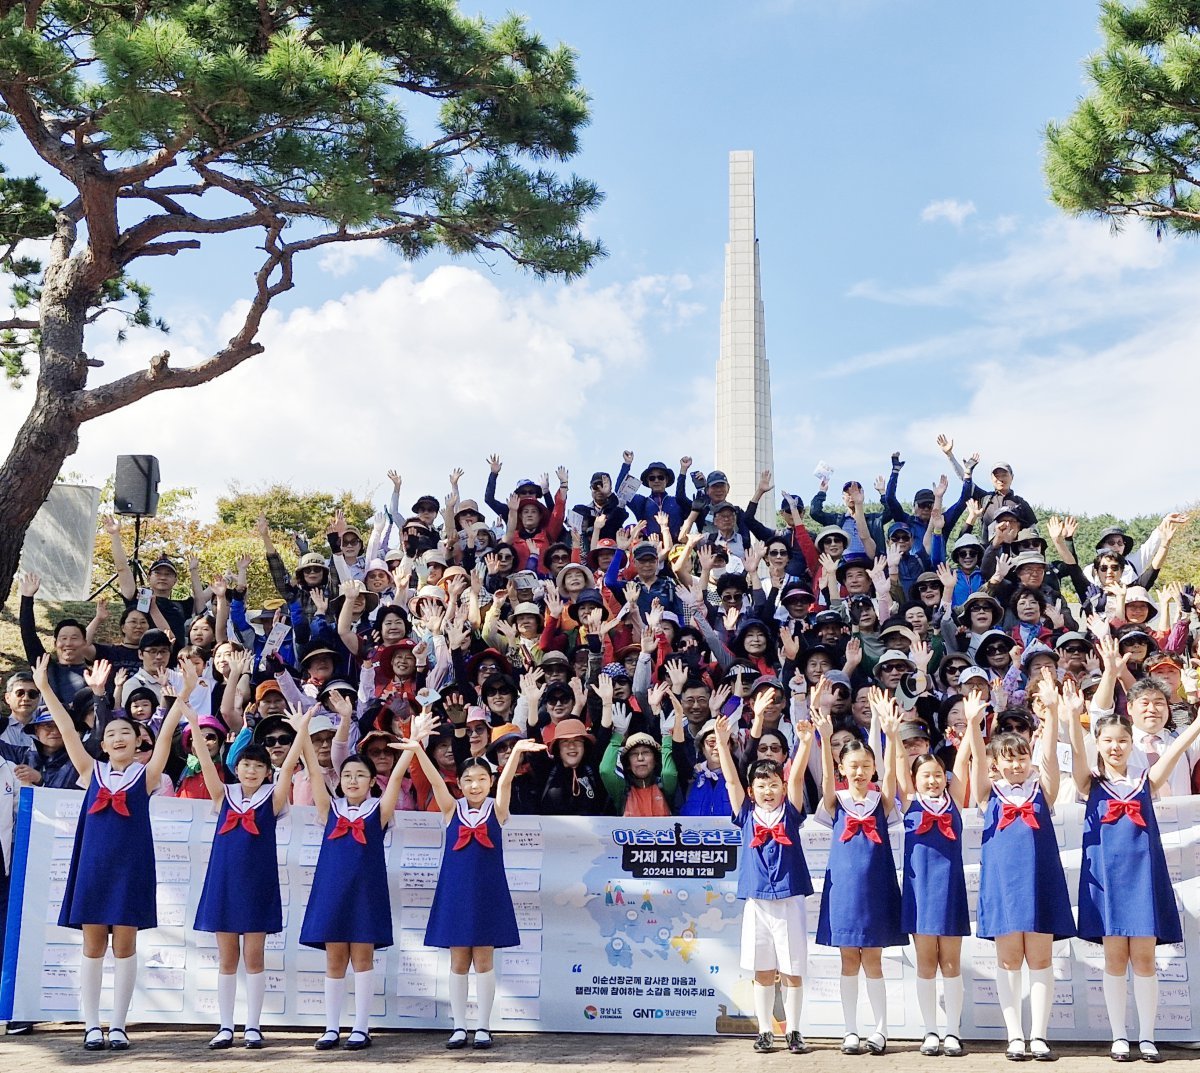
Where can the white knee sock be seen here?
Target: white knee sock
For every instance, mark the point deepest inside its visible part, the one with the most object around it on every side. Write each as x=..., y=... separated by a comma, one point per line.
x=485, y=996
x=1041, y=998
x=764, y=1003
x=850, y=1003
x=953, y=987
x=1008, y=994
x=458, y=1000
x=256, y=988
x=1116, y=991
x=335, y=995
x=877, y=996
x=124, y=977
x=793, y=1002
x=1145, y=998
x=91, y=979
x=364, y=987
x=927, y=1003
x=226, y=997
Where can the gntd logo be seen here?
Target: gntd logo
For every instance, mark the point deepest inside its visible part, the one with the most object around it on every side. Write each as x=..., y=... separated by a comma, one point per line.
x=652, y=1014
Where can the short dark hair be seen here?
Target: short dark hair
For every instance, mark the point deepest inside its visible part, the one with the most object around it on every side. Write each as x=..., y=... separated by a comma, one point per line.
x=1149, y=684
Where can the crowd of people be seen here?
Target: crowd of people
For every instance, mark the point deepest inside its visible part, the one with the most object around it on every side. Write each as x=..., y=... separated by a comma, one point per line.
x=656, y=652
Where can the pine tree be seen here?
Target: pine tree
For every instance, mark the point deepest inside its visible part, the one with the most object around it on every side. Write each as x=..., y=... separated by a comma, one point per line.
x=290, y=124
x=1132, y=146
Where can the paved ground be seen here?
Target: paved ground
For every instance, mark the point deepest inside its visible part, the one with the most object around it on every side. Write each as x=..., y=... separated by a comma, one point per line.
x=51, y=1048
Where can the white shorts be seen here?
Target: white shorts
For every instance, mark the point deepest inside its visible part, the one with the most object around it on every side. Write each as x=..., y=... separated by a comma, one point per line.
x=775, y=935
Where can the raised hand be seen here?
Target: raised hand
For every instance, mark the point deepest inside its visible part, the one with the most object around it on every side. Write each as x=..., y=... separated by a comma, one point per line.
x=880, y=484
x=544, y=481
x=627, y=457
x=719, y=698
x=920, y=653
x=96, y=676
x=494, y=463
x=939, y=489
x=111, y=525
x=677, y=675
x=30, y=583
x=854, y=653
x=947, y=576
x=972, y=512
x=320, y=600
x=789, y=644
x=765, y=483
x=945, y=444
x=632, y=591
x=563, y=475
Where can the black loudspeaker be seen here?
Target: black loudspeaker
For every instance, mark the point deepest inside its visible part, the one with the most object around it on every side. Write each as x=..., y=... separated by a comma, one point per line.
x=136, y=490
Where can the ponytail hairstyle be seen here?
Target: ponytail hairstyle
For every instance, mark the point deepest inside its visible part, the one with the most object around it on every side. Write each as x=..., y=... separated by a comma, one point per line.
x=925, y=758
x=856, y=746
x=1111, y=720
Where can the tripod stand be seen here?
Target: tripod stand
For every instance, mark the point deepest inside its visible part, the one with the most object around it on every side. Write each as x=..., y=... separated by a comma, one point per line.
x=135, y=563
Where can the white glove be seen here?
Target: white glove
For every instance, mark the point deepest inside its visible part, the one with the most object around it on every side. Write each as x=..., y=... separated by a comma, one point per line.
x=621, y=717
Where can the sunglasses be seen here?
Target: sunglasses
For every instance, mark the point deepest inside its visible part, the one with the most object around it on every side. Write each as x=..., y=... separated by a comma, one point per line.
x=967, y=553
x=1109, y=568
x=901, y=538
x=211, y=737
x=1012, y=728
x=926, y=586
x=656, y=477
x=778, y=553
x=1077, y=650
x=144, y=747
x=278, y=739
x=560, y=558
x=26, y=693
x=996, y=651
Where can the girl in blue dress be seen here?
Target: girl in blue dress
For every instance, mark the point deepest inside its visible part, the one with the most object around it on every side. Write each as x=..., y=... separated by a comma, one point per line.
x=860, y=901
x=933, y=899
x=240, y=901
x=349, y=911
x=773, y=880
x=111, y=886
x=1023, y=901
x=472, y=910
x=1126, y=900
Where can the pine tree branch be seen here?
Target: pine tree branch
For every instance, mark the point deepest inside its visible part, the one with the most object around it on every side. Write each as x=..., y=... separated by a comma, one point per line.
x=18, y=324
x=273, y=278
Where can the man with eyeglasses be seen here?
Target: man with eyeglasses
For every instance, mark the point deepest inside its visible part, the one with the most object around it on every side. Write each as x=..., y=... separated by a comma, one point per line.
x=21, y=697
x=909, y=559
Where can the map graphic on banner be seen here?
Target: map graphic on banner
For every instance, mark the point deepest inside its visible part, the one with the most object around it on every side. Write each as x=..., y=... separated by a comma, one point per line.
x=626, y=925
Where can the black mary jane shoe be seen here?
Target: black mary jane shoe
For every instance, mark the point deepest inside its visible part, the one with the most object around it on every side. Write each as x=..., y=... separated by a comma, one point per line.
x=483, y=1039
x=457, y=1040
x=118, y=1039
x=1149, y=1051
x=952, y=1046
x=877, y=1044
x=358, y=1041
x=252, y=1039
x=931, y=1045
x=93, y=1039
x=222, y=1041
x=1043, y=1053
x=1016, y=1051
x=327, y=1041
x=852, y=1043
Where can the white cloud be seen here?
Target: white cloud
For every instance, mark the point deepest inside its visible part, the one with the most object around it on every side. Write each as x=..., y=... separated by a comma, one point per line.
x=1073, y=348
x=341, y=258
x=421, y=373
x=949, y=209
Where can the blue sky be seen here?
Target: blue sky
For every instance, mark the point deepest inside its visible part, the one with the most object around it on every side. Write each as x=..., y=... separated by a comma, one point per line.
x=915, y=276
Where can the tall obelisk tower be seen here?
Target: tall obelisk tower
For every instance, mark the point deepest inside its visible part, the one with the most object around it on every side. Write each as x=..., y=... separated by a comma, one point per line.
x=743, y=375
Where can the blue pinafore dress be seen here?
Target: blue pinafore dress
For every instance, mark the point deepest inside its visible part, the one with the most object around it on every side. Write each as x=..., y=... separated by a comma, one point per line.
x=1124, y=888
x=472, y=905
x=112, y=879
x=241, y=886
x=934, y=892
x=349, y=901
x=1021, y=882
x=860, y=901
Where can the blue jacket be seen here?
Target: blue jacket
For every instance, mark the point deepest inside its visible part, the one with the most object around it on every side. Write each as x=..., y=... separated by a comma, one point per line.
x=893, y=511
x=643, y=507
x=846, y=522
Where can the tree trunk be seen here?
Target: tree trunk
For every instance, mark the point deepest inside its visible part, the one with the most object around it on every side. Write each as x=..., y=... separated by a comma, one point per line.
x=51, y=431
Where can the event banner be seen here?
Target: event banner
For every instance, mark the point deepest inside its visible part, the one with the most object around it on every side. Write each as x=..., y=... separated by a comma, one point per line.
x=627, y=925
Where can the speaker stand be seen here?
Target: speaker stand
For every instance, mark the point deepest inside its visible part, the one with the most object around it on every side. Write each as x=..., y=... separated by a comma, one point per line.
x=135, y=563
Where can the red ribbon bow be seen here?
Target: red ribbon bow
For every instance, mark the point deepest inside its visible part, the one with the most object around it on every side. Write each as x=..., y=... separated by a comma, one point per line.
x=244, y=819
x=346, y=826
x=865, y=826
x=944, y=821
x=1118, y=808
x=1010, y=812
x=762, y=834
x=479, y=834
x=105, y=797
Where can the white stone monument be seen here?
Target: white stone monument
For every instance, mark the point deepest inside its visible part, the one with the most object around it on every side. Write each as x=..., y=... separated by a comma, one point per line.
x=743, y=375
